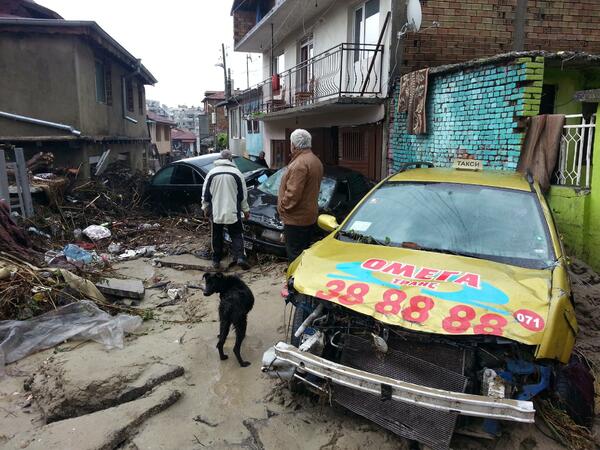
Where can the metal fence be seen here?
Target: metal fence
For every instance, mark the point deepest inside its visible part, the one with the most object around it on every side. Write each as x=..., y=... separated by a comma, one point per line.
x=347, y=70
x=575, y=157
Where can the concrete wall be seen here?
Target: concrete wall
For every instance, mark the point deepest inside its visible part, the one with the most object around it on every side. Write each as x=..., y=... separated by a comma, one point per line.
x=52, y=77
x=99, y=119
x=158, y=132
x=475, y=111
x=38, y=79
x=577, y=213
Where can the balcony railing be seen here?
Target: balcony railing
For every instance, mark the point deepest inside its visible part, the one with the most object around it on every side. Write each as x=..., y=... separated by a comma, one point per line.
x=347, y=70
x=574, y=161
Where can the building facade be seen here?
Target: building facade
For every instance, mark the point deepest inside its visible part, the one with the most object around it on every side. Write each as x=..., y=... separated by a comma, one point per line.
x=326, y=67
x=69, y=88
x=160, y=136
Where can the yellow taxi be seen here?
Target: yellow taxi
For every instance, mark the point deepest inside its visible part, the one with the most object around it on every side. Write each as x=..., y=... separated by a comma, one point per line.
x=443, y=297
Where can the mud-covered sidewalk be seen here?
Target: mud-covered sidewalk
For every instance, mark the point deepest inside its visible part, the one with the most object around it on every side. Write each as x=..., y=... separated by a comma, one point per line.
x=167, y=388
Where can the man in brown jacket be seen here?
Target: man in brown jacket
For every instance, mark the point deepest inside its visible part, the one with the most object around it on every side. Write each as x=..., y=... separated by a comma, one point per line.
x=297, y=202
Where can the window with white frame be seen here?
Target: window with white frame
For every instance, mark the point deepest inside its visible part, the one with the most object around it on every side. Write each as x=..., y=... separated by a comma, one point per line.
x=366, y=24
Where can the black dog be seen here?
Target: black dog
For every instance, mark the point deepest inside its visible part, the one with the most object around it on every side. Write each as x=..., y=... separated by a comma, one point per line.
x=236, y=302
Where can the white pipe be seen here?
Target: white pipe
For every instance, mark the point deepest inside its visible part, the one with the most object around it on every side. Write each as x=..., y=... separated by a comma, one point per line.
x=60, y=126
x=313, y=315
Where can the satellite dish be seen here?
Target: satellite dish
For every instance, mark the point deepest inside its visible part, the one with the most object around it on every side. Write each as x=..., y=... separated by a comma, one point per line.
x=414, y=15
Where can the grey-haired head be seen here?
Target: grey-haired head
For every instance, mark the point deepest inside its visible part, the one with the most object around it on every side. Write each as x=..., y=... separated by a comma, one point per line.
x=301, y=139
x=226, y=154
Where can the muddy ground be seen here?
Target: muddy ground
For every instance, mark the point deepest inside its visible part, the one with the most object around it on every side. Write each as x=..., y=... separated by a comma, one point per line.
x=167, y=388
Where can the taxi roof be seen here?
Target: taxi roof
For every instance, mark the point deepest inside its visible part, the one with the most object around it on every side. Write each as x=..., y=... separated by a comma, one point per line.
x=491, y=178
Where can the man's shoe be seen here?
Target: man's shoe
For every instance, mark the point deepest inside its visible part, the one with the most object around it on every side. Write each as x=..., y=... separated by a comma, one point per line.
x=216, y=265
x=243, y=263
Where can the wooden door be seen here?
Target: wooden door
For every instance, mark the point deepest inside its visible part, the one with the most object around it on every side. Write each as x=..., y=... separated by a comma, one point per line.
x=360, y=149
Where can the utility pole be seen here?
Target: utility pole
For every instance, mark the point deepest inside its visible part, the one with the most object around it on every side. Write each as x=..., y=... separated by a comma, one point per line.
x=248, y=57
x=227, y=93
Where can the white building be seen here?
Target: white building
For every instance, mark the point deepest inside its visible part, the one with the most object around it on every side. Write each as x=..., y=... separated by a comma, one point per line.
x=327, y=74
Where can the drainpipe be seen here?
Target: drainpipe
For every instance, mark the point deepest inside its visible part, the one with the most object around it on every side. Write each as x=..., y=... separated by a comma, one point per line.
x=45, y=123
x=124, y=79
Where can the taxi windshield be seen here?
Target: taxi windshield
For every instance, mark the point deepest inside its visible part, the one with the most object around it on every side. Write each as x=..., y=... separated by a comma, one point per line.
x=483, y=222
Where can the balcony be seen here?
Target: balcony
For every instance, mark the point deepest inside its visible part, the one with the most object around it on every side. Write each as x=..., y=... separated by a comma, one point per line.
x=347, y=73
x=258, y=23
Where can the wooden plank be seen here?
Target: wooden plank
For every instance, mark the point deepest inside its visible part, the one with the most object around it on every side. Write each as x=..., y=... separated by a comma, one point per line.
x=4, y=192
x=23, y=180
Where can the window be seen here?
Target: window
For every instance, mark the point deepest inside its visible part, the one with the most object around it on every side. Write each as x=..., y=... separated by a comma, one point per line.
x=163, y=177
x=548, y=99
x=129, y=95
x=141, y=102
x=252, y=126
x=167, y=132
x=108, y=83
x=100, y=82
x=501, y=225
x=183, y=175
x=366, y=25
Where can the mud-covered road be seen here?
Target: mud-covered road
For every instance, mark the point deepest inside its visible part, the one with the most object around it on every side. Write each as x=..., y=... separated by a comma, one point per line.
x=167, y=388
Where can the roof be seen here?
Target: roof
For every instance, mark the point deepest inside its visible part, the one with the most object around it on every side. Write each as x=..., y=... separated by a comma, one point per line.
x=86, y=29
x=558, y=57
x=491, y=178
x=177, y=134
x=26, y=9
x=161, y=119
x=214, y=95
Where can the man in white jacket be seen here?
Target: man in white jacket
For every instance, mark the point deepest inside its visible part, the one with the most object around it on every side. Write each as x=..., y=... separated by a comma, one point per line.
x=224, y=200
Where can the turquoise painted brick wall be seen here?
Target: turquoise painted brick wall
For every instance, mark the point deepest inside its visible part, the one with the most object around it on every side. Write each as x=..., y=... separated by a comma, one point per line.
x=477, y=111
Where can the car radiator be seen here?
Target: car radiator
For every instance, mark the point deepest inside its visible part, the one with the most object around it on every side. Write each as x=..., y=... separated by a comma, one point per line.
x=411, y=363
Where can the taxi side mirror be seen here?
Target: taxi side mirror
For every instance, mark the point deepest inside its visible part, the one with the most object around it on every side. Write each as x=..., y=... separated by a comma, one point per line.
x=327, y=222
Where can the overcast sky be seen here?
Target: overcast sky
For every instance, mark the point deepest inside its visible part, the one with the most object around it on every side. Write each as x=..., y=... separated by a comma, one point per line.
x=179, y=41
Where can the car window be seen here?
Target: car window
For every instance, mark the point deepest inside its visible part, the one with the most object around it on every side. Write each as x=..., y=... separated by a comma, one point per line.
x=163, y=176
x=271, y=186
x=490, y=223
x=358, y=186
x=245, y=165
x=183, y=175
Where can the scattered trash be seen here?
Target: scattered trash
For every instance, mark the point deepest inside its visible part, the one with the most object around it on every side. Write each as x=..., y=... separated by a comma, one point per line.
x=122, y=288
x=77, y=234
x=148, y=251
x=82, y=320
x=34, y=230
x=147, y=226
x=97, y=232
x=114, y=248
x=82, y=285
x=76, y=254
x=176, y=293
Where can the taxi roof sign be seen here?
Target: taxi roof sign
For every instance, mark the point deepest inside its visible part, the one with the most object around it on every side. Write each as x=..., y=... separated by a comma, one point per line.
x=467, y=164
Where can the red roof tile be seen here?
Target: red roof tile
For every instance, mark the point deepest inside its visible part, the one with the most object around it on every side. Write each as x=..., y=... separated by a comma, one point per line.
x=162, y=119
x=178, y=134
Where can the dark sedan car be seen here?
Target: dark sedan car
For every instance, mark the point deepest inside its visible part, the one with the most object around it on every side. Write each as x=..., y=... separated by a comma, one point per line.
x=180, y=183
x=341, y=189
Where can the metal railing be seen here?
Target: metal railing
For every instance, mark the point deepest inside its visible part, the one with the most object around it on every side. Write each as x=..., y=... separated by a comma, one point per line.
x=575, y=157
x=346, y=70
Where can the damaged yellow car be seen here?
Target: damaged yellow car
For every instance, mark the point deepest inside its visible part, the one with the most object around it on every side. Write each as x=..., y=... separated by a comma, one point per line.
x=441, y=303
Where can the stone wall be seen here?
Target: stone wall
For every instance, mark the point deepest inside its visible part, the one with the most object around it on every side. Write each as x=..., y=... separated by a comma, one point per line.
x=478, y=111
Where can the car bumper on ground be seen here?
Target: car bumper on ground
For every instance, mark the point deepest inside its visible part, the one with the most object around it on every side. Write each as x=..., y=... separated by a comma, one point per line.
x=389, y=388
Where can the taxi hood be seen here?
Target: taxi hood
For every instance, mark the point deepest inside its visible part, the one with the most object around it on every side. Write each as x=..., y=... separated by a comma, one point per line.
x=427, y=291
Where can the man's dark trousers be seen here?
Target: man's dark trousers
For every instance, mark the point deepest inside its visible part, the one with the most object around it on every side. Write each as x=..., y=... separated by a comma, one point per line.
x=297, y=239
x=235, y=231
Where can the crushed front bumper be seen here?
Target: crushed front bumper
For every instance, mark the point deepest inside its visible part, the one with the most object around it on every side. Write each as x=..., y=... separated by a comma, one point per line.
x=389, y=388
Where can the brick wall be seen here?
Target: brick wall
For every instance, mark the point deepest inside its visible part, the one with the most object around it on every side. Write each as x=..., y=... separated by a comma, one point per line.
x=243, y=21
x=478, y=111
x=563, y=25
x=479, y=28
